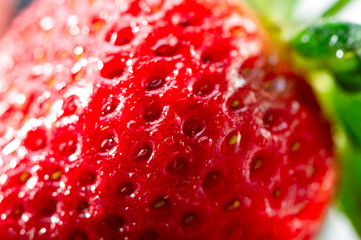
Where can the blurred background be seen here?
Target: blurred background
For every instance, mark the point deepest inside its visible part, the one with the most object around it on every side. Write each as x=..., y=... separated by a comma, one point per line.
x=338, y=225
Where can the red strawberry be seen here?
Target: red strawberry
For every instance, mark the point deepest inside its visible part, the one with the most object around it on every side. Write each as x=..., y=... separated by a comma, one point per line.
x=155, y=119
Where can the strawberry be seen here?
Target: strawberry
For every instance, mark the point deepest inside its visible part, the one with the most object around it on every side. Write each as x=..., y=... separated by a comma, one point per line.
x=156, y=119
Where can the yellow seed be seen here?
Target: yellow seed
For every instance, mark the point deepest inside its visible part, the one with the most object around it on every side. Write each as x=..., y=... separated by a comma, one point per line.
x=246, y=71
x=203, y=89
x=98, y=25
x=257, y=164
x=17, y=211
x=188, y=219
x=51, y=82
x=295, y=146
x=276, y=193
x=301, y=207
x=24, y=176
x=105, y=128
x=234, y=204
x=235, y=104
x=233, y=140
x=159, y=203
x=56, y=175
x=79, y=75
x=312, y=171
x=238, y=32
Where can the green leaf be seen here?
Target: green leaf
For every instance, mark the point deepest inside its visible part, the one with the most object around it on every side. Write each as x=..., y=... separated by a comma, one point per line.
x=337, y=47
x=348, y=110
x=350, y=191
x=327, y=39
x=349, y=81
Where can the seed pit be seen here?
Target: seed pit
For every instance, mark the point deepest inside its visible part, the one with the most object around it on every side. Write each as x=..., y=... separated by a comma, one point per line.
x=273, y=83
x=82, y=206
x=68, y=146
x=152, y=112
x=120, y=38
x=193, y=126
x=232, y=205
x=70, y=105
x=149, y=235
x=113, y=222
x=275, y=120
x=142, y=151
x=154, y=82
x=165, y=50
x=125, y=189
x=251, y=64
x=177, y=166
x=36, y=139
x=263, y=166
x=241, y=99
x=77, y=235
x=212, y=180
x=203, y=87
x=88, y=178
x=110, y=106
x=113, y=68
x=48, y=207
x=17, y=211
x=108, y=143
x=186, y=17
x=217, y=53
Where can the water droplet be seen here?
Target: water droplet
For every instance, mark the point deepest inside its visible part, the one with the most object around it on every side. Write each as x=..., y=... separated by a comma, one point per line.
x=340, y=53
x=47, y=23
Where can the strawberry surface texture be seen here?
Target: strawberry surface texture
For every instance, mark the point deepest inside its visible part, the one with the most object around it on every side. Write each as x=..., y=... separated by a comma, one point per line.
x=156, y=119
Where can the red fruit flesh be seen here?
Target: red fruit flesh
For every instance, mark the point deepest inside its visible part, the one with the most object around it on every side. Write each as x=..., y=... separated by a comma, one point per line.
x=155, y=119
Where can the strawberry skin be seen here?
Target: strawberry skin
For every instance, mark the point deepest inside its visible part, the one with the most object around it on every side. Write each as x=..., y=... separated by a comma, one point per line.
x=156, y=119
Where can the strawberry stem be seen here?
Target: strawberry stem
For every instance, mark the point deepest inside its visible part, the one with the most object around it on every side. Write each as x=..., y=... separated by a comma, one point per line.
x=337, y=7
